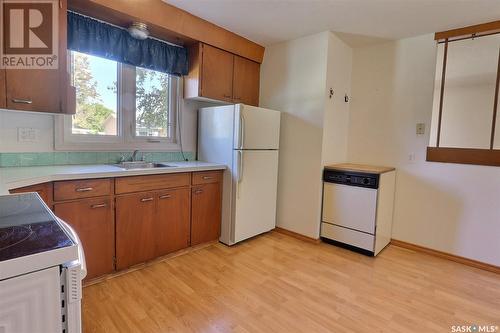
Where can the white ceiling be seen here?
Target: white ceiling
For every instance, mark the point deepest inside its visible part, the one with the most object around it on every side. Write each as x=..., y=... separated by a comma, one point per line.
x=270, y=21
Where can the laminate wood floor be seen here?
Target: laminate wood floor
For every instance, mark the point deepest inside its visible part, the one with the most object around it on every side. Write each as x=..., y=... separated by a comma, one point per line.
x=276, y=283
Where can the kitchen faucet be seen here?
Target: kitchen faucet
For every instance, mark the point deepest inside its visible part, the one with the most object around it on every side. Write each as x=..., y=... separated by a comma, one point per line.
x=134, y=154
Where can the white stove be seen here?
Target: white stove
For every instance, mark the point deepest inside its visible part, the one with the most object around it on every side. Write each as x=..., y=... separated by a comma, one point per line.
x=41, y=268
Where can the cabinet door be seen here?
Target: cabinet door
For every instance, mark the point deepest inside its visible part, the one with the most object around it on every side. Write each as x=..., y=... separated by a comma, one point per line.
x=205, y=213
x=93, y=221
x=33, y=90
x=135, y=229
x=246, y=77
x=217, y=74
x=3, y=99
x=172, y=221
x=43, y=90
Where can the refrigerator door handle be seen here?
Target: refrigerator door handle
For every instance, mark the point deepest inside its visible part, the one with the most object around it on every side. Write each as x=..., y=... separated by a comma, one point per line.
x=242, y=132
x=240, y=172
x=240, y=166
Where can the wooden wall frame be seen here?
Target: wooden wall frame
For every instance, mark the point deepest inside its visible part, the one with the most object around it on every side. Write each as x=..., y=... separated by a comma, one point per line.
x=489, y=156
x=478, y=30
x=168, y=23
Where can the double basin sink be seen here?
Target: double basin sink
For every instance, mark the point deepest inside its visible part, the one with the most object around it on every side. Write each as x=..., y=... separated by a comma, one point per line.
x=141, y=165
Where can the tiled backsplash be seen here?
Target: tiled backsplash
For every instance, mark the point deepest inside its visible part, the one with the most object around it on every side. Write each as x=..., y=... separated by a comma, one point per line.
x=64, y=158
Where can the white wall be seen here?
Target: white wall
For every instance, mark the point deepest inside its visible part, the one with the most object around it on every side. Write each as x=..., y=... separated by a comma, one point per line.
x=336, y=118
x=11, y=120
x=293, y=78
x=448, y=207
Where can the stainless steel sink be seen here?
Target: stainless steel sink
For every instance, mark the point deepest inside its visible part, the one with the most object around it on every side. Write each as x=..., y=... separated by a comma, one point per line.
x=141, y=165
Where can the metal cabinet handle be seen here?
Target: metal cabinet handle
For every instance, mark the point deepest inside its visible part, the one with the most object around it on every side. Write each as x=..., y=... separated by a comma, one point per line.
x=207, y=177
x=198, y=192
x=147, y=199
x=227, y=96
x=22, y=101
x=84, y=189
x=99, y=206
x=166, y=196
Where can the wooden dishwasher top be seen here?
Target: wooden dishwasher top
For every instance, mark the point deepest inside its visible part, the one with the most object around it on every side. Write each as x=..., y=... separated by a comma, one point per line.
x=360, y=168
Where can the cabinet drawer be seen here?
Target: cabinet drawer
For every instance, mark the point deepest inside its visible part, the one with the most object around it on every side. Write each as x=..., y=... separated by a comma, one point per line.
x=153, y=182
x=207, y=177
x=77, y=189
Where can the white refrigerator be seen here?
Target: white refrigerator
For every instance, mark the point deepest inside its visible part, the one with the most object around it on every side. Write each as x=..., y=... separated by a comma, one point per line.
x=246, y=140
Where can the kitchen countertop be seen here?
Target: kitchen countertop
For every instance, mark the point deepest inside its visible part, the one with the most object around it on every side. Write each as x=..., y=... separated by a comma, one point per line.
x=16, y=177
x=360, y=168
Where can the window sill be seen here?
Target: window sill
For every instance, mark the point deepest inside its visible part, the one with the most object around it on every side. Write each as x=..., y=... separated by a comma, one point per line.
x=490, y=157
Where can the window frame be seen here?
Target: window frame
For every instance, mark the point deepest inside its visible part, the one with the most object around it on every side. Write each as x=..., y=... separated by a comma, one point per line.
x=126, y=121
x=476, y=156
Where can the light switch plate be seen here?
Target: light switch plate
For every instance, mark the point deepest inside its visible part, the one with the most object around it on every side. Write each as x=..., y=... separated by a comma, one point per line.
x=420, y=128
x=27, y=134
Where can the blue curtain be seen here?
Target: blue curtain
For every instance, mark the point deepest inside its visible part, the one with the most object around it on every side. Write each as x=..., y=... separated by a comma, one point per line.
x=93, y=37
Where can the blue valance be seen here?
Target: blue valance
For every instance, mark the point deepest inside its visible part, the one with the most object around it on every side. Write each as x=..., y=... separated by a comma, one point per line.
x=94, y=37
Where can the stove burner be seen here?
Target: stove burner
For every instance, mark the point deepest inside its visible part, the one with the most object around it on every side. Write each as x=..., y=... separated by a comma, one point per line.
x=11, y=236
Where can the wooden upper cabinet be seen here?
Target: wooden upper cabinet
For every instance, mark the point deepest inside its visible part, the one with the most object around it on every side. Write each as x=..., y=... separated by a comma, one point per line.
x=43, y=90
x=3, y=99
x=219, y=75
x=246, y=78
x=33, y=90
x=93, y=221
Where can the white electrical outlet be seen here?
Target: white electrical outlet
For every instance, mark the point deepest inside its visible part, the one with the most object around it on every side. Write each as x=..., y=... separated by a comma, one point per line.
x=411, y=158
x=420, y=128
x=27, y=134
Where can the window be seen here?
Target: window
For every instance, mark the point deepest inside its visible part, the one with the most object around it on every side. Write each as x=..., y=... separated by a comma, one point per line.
x=465, y=126
x=151, y=104
x=95, y=81
x=118, y=107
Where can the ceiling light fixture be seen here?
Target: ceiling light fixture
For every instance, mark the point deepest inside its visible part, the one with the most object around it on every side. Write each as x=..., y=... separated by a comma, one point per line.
x=138, y=30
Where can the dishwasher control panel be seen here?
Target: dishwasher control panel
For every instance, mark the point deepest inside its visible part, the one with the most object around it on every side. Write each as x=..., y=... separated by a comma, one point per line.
x=368, y=180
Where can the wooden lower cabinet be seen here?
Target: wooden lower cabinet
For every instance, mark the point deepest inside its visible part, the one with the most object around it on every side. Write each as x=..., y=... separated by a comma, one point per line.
x=172, y=222
x=119, y=230
x=135, y=229
x=45, y=191
x=206, y=213
x=93, y=220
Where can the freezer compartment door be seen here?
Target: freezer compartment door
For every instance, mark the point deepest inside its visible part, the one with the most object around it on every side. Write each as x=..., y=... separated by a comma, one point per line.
x=255, y=192
x=256, y=128
x=350, y=206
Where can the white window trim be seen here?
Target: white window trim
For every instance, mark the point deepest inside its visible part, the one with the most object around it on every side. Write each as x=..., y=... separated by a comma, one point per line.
x=125, y=139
